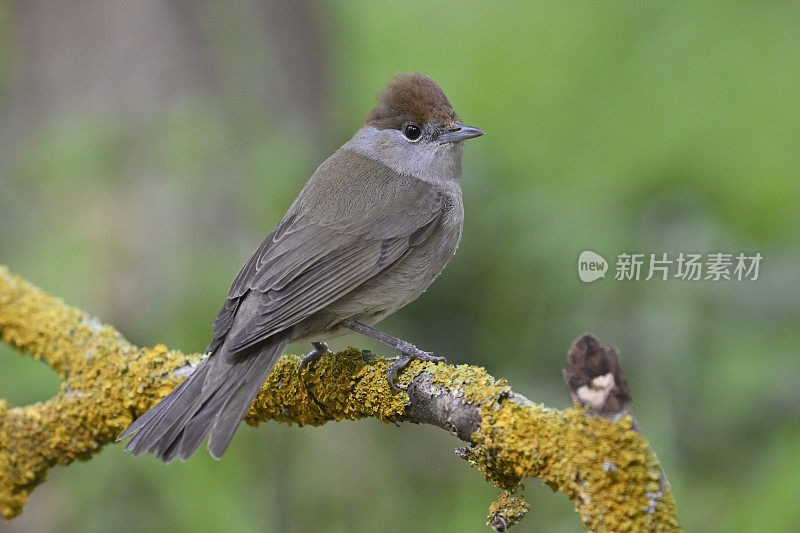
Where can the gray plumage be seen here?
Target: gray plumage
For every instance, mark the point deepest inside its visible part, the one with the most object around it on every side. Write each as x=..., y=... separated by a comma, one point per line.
x=370, y=231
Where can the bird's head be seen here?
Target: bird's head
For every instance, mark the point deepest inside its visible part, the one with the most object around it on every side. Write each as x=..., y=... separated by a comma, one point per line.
x=414, y=129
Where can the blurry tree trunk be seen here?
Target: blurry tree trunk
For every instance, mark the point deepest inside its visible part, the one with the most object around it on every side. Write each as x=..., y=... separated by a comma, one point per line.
x=84, y=56
x=296, y=35
x=87, y=55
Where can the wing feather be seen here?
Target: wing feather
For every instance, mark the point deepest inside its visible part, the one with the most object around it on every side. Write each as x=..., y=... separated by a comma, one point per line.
x=308, y=262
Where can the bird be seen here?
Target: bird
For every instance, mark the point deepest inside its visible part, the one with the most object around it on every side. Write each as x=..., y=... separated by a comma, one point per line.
x=372, y=228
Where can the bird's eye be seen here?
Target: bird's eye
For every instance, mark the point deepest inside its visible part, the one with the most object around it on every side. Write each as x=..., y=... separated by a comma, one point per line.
x=412, y=132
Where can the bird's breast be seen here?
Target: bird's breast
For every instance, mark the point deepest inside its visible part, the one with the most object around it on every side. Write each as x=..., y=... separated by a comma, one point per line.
x=409, y=277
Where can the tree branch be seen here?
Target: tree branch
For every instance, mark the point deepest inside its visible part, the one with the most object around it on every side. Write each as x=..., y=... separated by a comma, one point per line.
x=604, y=466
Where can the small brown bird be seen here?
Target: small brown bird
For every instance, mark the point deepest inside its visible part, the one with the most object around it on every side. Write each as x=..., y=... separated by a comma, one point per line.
x=370, y=231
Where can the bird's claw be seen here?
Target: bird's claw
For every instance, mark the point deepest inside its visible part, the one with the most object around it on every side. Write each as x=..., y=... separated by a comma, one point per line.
x=320, y=349
x=406, y=357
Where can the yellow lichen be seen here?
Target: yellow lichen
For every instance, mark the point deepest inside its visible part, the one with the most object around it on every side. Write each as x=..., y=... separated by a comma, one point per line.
x=349, y=385
x=606, y=469
x=506, y=511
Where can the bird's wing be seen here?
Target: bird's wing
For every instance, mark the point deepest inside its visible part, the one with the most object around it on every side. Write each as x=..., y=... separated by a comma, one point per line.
x=305, y=264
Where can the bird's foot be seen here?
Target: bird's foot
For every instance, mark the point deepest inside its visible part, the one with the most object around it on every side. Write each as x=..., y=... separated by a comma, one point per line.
x=409, y=352
x=320, y=349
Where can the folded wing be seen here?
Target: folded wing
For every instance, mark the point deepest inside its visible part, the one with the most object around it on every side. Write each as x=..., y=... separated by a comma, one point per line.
x=305, y=264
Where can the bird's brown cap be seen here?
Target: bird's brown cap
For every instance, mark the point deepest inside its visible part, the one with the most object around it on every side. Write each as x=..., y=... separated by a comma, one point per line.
x=411, y=98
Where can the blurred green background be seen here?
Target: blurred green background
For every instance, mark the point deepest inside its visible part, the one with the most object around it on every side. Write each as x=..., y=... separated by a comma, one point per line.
x=146, y=148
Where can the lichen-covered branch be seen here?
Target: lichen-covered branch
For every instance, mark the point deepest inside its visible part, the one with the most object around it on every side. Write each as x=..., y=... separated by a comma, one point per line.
x=605, y=467
x=595, y=380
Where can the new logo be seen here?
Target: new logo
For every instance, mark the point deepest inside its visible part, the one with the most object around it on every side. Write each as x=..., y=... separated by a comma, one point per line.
x=591, y=266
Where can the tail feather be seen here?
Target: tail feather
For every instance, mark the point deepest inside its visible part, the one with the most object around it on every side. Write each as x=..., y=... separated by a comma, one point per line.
x=235, y=407
x=203, y=423
x=213, y=399
x=198, y=428
x=167, y=413
x=152, y=413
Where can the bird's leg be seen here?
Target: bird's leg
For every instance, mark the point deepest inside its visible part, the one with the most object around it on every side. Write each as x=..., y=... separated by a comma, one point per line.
x=320, y=349
x=409, y=351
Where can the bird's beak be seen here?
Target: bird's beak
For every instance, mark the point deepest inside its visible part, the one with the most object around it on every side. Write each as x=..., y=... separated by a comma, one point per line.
x=459, y=133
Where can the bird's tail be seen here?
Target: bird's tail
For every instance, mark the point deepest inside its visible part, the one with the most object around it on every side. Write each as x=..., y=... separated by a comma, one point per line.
x=214, y=399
